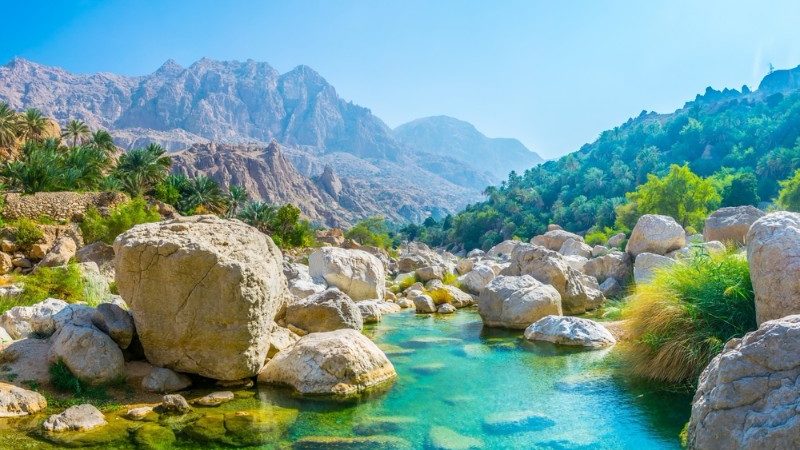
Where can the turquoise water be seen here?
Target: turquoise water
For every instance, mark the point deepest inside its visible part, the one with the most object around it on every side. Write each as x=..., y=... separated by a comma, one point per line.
x=455, y=374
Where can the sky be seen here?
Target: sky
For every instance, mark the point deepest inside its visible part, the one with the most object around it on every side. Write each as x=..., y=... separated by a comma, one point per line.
x=551, y=74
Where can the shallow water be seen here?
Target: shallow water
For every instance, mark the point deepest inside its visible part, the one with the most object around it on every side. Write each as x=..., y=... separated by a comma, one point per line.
x=455, y=374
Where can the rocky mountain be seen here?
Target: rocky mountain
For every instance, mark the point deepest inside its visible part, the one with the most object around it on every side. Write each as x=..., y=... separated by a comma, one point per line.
x=246, y=105
x=448, y=137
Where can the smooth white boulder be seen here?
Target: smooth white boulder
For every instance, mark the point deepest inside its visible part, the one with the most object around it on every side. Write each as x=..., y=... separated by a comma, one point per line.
x=517, y=301
x=329, y=310
x=355, y=272
x=75, y=418
x=91, y=355
x=731, y=224
x=655, y=234
x=573, y=331
x=16, y=401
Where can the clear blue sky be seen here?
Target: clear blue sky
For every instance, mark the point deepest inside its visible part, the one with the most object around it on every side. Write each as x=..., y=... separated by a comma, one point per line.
x=552, y=74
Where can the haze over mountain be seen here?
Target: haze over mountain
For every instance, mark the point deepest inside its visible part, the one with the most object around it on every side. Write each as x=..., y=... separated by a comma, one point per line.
x=433, y=166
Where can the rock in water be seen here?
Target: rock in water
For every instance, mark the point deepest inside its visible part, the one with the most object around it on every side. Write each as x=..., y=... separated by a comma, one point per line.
x=573, y=331
x=203, y=293
x=342, y=362
x=748, y=396
x=773, y=244
x=75, y=418
x=516, y=302
x=356, y=272
x=655, y=234
x=731, y=224
x=15, y=401
x=327, y=311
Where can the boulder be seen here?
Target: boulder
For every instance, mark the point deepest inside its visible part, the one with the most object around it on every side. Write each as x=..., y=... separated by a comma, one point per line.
x=101, y=254
x=203, y=293
x=162, y=380
x=476, y=253
x=553, y=227
x=646, y=264
x=579, y=292
x=554, y=239
x=16, y=401
x=731, y=224
x=357, y=273
x=90, y=354
x=503, y=250
x=610, y=287
x=116, y=322
x=26, y=360
x=370, y=311
x=300, y=282
x=573, y=331
x=748, y=396
x=341, y=363
x=429, y=273
x=329, y=310
x=75, y=418
x=464, y=266
x=599, y=250
x=424, y=304
x=615, y=264
x=23, y=321
x=574, y=247
x=281, y=339
x=6, y=264
x=773, y=244
x=517, y=301
x=446, y=308
x=61, y=253
x=476, y=279
x=214, y=398
x=576, y=262
x=655, y=234
x=616, y=240
x=174, y=404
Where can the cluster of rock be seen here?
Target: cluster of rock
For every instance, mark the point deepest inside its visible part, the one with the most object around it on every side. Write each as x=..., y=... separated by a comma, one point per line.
x=57, y=246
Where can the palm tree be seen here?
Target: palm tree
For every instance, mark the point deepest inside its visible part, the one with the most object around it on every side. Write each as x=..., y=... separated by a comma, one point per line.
x=102, y=140
x=258, y=214
x=203, y=192
x=76, y=130
x=9, y=126
x=32, y=124
x=142, y=168
x=237, y=196
x=39, y=168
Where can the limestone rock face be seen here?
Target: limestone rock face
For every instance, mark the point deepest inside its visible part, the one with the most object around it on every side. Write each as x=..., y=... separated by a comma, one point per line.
x=554, y=239
x=356, y=272
x=773, y=244
x=517, y=301
x=731, y=224
x=16, y=401
x=203, y=293
x=573, y=331
x=615, y=264
x=75, y=418
x=579, y=292
x=22, y=321
x=90, y=354
x=327, y=311
x=655, y=234
x=341, y=362
x=747, y=397
x=647, y=263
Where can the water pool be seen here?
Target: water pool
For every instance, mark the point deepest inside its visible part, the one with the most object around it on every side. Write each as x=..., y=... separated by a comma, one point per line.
x=458, y=384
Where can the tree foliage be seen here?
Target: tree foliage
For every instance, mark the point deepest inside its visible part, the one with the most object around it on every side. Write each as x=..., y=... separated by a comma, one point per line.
x=789, y=195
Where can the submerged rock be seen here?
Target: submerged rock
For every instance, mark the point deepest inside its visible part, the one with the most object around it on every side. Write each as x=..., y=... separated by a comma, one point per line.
x=574, y=331
x=214, y=398
x=16, y=401
x=342, y=363
x=748, y=396
x=383, y=424
x=356, y=272
x=443, y=438
x=516, y=302
x=76, y=418
x=203, y=293
x=516, y=421
x=375, y=442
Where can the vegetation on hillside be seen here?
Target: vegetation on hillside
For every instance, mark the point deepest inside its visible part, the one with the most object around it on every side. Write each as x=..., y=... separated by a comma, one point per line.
x=724, y=137
x=98, y=227
x=65, y=283
x=683, y=317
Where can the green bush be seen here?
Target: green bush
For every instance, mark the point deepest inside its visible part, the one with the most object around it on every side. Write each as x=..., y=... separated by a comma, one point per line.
x=682, y=318
x=600, y=236
x=283, y=224
x=64, y=380
x=372, y=231
x=789, y=195
x=26, y=233
x=120, y=219
x=66, y=283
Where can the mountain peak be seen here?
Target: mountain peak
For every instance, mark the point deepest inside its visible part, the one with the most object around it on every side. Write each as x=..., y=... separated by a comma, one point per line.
x=170, y=66
x=781, y=80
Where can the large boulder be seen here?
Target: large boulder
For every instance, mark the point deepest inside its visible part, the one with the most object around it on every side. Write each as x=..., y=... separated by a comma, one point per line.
x=37, y=319
x=424, y=304
x=517, y=301
x=300, y=282
x=203, y=293
x=503, y=250
x=476, y=279
x=573, y=331
x=615, y=265
x=62, y=251
x=731, y=224
x=579, y=292
x=574, y=247
x=327, y=311
x=90, y=354
x=116, y=322
x=16, y=401
x=341, y=363
x=646, y=265
x=75, y=418
x=26, y=360
x=748, y=396
x=356, y=272
x=554, y=239
x=163, y=380
x=773, y=244
x=655, y=234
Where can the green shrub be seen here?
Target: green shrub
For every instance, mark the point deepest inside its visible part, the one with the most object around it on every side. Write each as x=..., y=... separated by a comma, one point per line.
x=66, y=283
x=120, y=219
x=682, y=318
x=451, y=279
x=63, y=380
x=372, y=231
x=407, y=282
x=283, y=224
x=789, y=195
x=26, y=233
x=600, y=236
